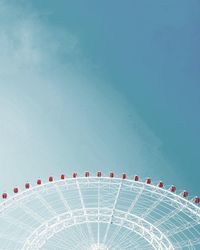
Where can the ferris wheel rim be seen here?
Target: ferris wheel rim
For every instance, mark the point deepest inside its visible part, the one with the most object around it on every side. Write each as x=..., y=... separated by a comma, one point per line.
x=79, y=183
x=156, y=234
x=17, y=195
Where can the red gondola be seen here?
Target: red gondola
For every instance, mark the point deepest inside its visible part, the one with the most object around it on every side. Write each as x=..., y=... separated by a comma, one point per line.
x=27, y=185
x=124, y=176
x=172, y=189
x=196, y=199
x=50, y=178
x=99, y=174
x=148, y=181
x=39, y=182
x=184, y=194
x=111, y=174
x=87, y=174
x=160, y=184
x=4, y=195
x=74, y=175
x=136, y=178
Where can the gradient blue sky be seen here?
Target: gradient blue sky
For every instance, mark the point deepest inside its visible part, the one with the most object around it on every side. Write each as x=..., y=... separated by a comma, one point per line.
x=100, y=85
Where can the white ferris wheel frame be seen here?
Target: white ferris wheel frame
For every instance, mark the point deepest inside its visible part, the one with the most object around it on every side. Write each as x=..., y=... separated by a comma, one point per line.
x=107, y=215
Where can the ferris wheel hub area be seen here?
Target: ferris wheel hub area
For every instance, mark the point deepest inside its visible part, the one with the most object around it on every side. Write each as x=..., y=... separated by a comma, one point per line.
x=99, y=247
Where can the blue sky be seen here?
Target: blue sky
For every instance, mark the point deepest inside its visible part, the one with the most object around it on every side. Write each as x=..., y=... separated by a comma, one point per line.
x=100, y=85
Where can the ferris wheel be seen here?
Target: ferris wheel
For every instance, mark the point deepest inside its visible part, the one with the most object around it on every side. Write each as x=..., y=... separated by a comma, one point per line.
x=99, y=213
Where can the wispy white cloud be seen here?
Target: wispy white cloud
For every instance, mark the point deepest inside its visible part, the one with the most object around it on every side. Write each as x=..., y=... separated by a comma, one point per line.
x=55, y=112
x=28, y=43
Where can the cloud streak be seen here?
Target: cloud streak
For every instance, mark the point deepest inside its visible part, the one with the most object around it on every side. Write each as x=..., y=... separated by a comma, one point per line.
x=56, y=113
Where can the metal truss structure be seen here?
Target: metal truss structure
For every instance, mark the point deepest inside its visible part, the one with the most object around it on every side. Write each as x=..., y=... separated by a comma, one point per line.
x=99, y=213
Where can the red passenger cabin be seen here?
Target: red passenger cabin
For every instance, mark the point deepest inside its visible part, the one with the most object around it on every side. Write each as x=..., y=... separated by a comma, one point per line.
x=62, y=177
x=74, y=175
x=27, y=185
x=148, y=181
x=39, y=182
x=87, y=174
x=160, y=184
x=172, y=189
x=124, y=176
x=136, y=178
x=15, y=190
x=4, y=195
x=50, y=178
x=111, y=174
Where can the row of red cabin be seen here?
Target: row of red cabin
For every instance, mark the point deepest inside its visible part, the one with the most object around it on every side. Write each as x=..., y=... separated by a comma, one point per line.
x=99, y=174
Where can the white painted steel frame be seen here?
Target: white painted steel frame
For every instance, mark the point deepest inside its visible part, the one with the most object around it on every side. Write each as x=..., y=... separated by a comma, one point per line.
x=153, y=232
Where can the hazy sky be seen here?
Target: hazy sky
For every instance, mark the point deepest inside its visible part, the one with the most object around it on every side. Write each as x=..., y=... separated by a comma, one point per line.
x=88, y=85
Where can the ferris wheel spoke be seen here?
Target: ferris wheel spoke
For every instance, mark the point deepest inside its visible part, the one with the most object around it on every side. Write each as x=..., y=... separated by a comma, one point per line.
x=135, y=200
x=98, y=206
x=125, y=239
x=46, y=204
x=136, y=244
x=67, y=244
x=32, y=213
x=62, y=198
x=113, y=210
x=185, y=226
x=61, y=242
x=128, y=241
x=113, y=236
x=170, y=215
x=77, y=236
x=152, y=208
x=83, y=207
x=68, y=208
x=57, y=244
x=64, y=245
x=187, y=244
x=16, y=223
x=81, y=236
x=10, y=238
x=133, y=203
x=116, y=235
